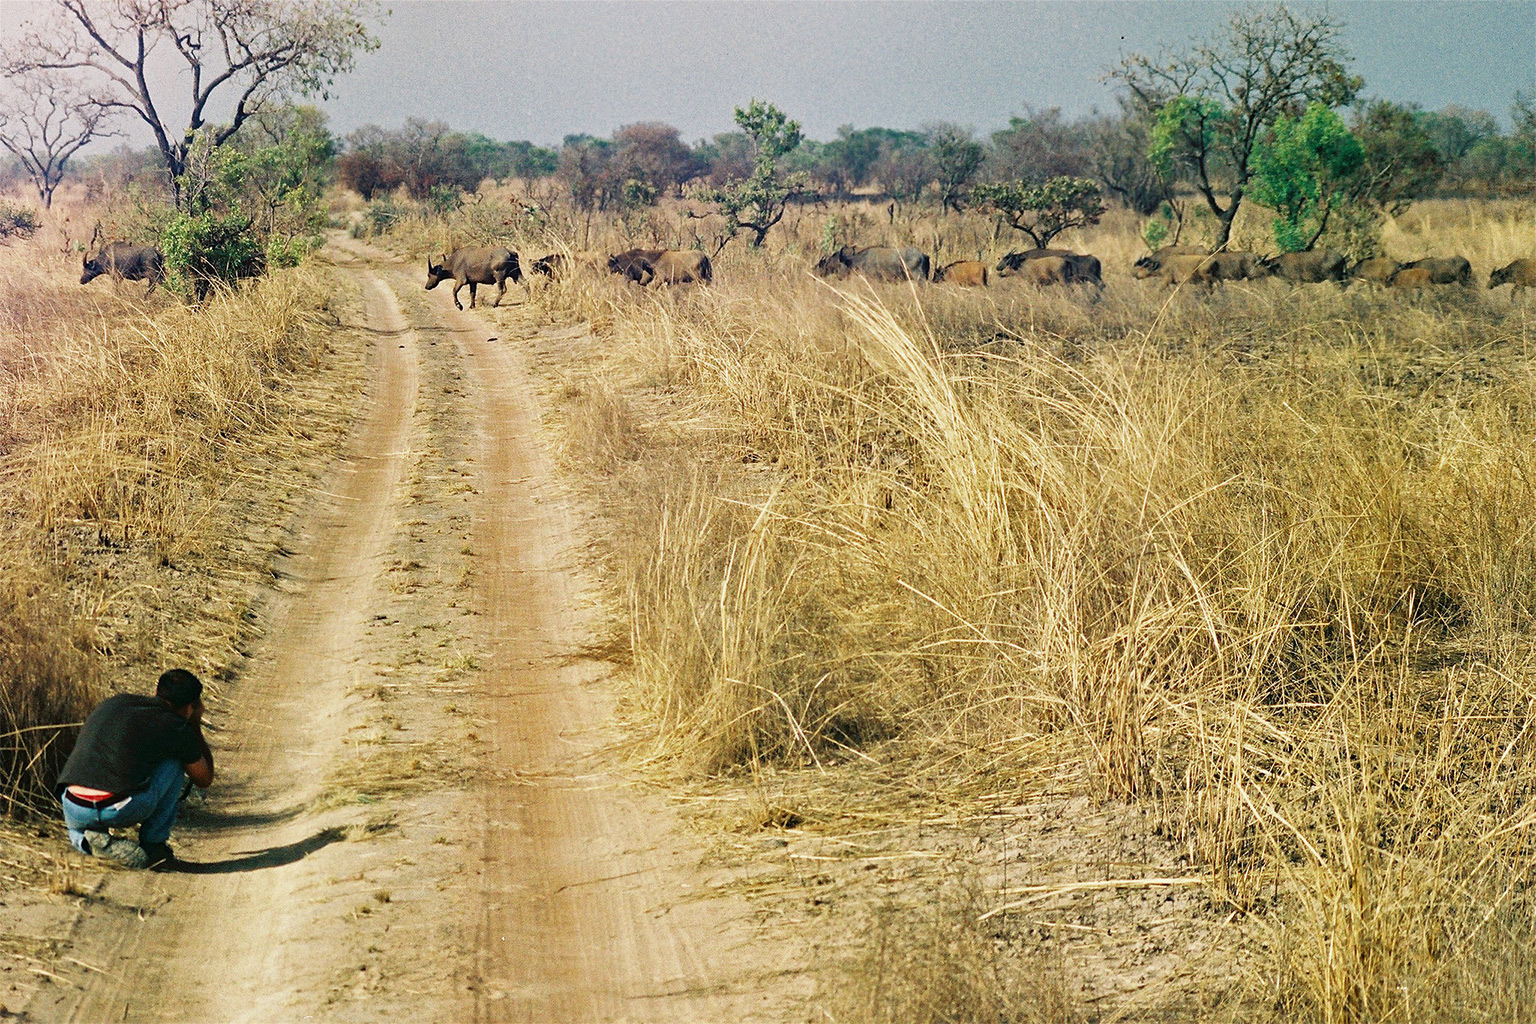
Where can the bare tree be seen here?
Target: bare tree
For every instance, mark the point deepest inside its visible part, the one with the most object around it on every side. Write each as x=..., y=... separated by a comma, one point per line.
x=1211, y=104
x=45, y=119
x=236, y=56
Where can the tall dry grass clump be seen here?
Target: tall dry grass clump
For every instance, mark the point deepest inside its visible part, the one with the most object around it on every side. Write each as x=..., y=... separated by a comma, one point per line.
x=131, y=431
x=1263, y=560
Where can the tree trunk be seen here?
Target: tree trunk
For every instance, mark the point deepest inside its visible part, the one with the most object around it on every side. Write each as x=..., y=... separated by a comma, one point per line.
x=1224, y=226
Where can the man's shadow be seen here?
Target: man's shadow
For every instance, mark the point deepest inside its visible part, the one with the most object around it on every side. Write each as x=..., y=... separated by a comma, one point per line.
x=255, y=860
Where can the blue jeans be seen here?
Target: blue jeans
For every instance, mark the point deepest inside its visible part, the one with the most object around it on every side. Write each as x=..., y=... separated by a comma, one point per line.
x=153, y=809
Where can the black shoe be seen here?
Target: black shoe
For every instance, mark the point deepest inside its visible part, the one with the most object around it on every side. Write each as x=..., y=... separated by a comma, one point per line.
x=160, y=856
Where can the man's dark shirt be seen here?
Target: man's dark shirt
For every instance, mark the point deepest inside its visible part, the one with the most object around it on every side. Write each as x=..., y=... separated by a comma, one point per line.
x=124, y=740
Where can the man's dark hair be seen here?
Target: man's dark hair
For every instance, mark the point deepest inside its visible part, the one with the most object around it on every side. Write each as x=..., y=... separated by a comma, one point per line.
x=178, y=687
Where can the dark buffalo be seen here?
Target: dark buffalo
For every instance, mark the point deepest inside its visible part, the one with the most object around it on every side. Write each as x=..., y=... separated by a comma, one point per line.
x=635, y=265
x=1376, y=270
x=1410, y=278
x=1081, y=268
x=1194, y=268
x=554, y=265
x=1442, y=270
x=966, y=273
x=1307, y=267
x=124, y=260
x=1150, y=264
x=682, y=266
x=1014, y=262
x=476, y=265
x=879, y=262
x=1520, y=273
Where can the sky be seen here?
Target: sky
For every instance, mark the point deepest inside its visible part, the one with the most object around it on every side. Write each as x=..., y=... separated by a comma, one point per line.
x=542, y=70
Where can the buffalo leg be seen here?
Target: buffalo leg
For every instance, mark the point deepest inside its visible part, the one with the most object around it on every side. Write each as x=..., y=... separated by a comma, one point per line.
x=456, y=303
x=501, y=289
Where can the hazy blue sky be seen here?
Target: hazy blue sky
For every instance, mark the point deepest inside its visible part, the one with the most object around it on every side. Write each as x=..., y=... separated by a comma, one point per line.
x=542, y=70
x=522, y=70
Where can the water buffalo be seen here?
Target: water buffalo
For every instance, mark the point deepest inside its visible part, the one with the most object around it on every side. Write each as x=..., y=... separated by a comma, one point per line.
x=1409, y=278
x=682, y=266
x=1014, y=262
x=1082, y=268
x=1376, y=270
x=635, y=265
x=1046, y=270
x=1520, y=273
x=124, y=260
x=476, y=265
x=880, y=262
x=1307, y=267
x=1442, y=270
x=552, y=266
x=1152, y=263
x=966, y=273
x=1206, y=270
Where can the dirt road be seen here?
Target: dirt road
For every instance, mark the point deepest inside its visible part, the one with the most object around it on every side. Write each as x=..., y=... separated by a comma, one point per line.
x=415, y=812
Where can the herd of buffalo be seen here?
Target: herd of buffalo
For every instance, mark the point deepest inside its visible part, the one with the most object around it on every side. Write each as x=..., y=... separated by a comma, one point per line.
x=1174, y=265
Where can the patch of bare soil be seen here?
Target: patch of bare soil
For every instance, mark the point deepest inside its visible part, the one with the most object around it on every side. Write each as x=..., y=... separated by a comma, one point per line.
x=417, y=808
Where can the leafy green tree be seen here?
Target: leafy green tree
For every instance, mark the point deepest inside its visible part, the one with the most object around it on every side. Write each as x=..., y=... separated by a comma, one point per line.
x=956, y=158
x=1302, y=172
x=1214, y=102
x=757, y=202
x=1043, y=211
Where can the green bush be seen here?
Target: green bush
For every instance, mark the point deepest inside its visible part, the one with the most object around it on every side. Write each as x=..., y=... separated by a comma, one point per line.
x=209, y=248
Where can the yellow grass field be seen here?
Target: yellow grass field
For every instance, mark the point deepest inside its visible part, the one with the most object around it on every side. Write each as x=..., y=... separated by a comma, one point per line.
x=1043, y=656
x=1256, y=570
x=148, y=450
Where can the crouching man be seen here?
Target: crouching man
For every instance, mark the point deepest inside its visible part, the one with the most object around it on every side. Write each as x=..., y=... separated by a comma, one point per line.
x=129, y=767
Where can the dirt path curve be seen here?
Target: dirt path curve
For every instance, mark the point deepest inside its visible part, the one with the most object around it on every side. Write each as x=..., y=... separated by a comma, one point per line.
x=548, y=890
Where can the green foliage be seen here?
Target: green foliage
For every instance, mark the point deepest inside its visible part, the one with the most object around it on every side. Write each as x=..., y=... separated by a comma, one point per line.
x=758, y=202
x=443, y=199
x=1183, y=128
x=1214, y=101
x=383, y=214
x=1154, y=233
x=1302, y=172
x=16, y=221
x=1043, y=211
x=209, y=247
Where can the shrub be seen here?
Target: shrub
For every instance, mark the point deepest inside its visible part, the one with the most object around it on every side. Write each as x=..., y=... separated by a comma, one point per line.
x=210, y=248
x=16, y=221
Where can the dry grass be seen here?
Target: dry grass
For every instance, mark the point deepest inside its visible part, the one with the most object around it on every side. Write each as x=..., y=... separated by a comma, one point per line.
x=147, y=449
x=1263, y=562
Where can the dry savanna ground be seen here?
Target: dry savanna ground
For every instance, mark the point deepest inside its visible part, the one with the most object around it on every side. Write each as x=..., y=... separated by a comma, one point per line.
x=1070, y=660
x=1030, y=657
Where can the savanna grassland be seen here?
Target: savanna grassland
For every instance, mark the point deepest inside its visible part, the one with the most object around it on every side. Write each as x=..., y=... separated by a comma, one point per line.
x=152, y=454
x=1054, y=658
x=1036, y=656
